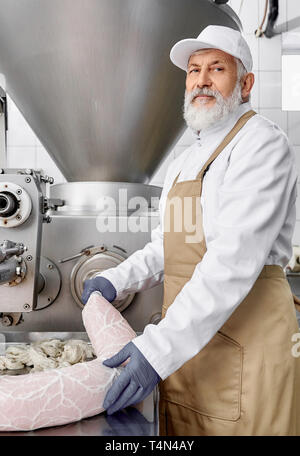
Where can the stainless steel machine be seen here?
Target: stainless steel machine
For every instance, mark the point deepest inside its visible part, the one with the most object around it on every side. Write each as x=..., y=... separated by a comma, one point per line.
x=94, y=81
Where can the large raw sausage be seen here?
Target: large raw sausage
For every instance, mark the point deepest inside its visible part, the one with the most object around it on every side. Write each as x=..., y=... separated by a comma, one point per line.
x=61, y=396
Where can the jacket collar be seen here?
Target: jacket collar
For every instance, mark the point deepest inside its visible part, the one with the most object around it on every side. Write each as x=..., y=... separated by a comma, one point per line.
x=218, y=131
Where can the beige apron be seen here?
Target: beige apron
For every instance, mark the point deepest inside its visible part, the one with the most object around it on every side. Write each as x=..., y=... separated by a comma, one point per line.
x=245, y=381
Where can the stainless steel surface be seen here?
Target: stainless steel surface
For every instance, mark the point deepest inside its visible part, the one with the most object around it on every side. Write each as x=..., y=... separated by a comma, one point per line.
x=56, y=287
x=51, y=283
x=94, y=80
x=23, y=227
x=67, y=235
x=83, y=198
x=3, y=123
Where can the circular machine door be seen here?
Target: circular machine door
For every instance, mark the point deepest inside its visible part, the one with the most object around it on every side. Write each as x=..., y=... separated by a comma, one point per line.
x=89, y=267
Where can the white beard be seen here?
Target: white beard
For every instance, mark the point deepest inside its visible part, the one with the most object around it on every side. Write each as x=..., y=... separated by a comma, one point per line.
x=201, y=117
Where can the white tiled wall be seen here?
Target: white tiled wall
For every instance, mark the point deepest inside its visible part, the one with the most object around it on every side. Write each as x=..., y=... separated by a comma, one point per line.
x=24, y=149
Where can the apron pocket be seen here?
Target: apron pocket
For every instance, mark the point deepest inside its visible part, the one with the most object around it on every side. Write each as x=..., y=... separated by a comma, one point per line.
x=211, y=382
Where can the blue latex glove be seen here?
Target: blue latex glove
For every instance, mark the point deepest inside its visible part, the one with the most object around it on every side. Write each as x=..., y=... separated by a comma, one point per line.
x=101, y=284
x=136, y=381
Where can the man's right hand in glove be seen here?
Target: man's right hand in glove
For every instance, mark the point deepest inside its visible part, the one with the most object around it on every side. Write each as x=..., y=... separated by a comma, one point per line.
x=101, y=284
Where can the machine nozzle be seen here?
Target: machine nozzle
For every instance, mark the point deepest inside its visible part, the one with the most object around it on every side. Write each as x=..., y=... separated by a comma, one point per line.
x=8, y=204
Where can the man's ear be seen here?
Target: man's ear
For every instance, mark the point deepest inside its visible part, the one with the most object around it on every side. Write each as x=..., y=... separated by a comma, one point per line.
x=247, y=83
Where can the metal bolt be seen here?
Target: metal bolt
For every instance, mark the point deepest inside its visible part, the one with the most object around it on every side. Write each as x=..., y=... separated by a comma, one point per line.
x=49, y=299
x=26, y=306
x=50, y=266
x=47, y=179
x=29, y=258
x=27, y=180
x=19, y=191
x=19, y=217
x=7, y=320
x=1, y=171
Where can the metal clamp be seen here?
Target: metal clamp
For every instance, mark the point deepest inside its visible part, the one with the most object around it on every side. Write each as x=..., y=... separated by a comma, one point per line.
x=52, y=203
x=47, y=179
x=86, y=251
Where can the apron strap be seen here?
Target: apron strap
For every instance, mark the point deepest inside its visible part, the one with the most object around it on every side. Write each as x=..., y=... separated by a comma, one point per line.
x=176, y=179
x=238, y=126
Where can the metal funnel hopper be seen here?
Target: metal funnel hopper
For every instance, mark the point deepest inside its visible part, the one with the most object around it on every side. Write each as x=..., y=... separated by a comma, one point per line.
x=94, y=80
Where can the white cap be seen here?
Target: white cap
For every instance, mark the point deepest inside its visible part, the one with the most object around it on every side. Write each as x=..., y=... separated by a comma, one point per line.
x=214, y=36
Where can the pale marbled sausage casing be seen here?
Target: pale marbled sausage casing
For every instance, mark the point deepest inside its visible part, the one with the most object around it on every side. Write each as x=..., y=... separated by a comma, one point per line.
x=62, y=396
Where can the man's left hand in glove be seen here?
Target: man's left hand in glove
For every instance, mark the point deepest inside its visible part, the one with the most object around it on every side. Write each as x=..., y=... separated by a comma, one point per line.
x=136, y=381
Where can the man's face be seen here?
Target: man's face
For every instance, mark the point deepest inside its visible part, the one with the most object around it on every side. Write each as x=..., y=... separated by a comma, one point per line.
x=214, y=69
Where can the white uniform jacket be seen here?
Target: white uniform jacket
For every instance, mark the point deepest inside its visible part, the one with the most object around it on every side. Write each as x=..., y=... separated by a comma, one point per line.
x=248, y=203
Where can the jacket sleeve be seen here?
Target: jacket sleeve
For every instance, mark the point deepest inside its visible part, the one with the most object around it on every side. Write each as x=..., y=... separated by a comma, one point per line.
x=142, y=270
x=258, y=191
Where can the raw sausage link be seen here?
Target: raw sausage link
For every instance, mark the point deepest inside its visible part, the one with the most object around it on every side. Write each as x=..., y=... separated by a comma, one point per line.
x=62, y=396
x=107, y=329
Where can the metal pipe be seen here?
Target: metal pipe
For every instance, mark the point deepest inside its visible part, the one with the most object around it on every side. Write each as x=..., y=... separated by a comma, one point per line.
x=272, y=18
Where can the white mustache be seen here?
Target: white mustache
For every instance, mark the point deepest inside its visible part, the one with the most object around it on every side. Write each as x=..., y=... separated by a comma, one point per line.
x=196, y=92
x=205, y=91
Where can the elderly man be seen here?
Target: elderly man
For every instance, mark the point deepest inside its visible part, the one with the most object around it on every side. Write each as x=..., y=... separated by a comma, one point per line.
x=222, y=352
